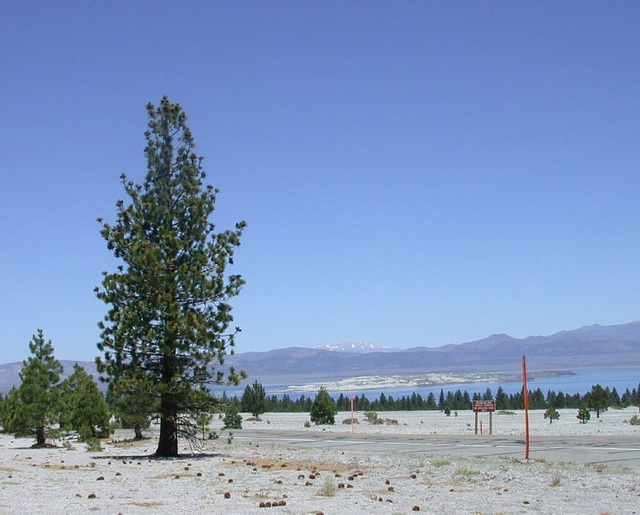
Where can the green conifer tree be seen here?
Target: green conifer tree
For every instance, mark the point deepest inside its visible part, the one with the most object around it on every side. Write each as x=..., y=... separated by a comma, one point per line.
x=134, y=403
x=323, y=409
x=583, y=414
x=598, y=399
x=232, y=419
x=552, y=414
x=169, y=315
x=84, y=408
x=36, y=407
x=254, y=399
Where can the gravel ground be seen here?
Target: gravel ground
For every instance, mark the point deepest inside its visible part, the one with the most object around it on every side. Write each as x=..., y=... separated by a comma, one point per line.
x=237, y=477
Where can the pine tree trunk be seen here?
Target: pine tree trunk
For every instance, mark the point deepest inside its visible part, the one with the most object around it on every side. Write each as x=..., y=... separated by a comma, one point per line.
x=168, y=443
x=138, y=430
x=40, y=438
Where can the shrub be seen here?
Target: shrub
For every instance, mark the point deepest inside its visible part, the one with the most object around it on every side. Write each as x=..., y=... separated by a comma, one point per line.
x=232, y=419
x=634, y=421
x=372, y=418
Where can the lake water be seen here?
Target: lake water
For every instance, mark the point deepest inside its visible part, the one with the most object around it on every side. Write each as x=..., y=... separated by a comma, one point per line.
x=580, y=381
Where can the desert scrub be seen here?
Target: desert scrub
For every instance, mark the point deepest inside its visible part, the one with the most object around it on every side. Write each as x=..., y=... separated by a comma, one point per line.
x=466, y=472
x=441, y=462
x=556, y=480
x=372, y=418
x=328, y=489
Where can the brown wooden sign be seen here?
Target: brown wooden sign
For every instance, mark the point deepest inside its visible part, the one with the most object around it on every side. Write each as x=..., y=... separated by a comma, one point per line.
x=484, y=406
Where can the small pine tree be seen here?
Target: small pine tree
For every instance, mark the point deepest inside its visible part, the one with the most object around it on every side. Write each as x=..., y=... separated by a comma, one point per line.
x=583, y=414
x=323, y=409
x=10, y=422
x=254, y=399
x=202, y=421
x=598, y=399
x=232, y=419
x=85, y=409
x=552, y=414
x=134, y=403
x=37, y=405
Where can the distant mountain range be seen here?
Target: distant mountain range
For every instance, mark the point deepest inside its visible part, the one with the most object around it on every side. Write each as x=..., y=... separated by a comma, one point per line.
x=588, y=347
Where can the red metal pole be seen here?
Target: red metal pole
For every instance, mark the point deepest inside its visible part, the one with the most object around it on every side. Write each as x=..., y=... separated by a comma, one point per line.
x=353, y=427
x=525, y=395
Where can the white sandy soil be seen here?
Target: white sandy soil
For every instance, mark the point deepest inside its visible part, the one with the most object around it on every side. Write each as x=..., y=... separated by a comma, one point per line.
x=236, y=477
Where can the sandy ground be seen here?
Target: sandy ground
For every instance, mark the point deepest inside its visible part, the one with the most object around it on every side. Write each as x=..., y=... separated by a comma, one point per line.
x=237, y=477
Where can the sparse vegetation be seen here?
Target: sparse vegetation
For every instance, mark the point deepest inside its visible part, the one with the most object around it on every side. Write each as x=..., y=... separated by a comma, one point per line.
x=328, y=489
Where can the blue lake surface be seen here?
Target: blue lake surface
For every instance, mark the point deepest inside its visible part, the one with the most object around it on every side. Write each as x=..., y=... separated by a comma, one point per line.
x=580, y=381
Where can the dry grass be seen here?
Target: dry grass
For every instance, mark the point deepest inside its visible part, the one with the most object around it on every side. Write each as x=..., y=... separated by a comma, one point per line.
x=148, y=504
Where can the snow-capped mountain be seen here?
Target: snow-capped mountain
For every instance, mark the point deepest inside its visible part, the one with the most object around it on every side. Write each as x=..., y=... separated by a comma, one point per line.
x=359, y=348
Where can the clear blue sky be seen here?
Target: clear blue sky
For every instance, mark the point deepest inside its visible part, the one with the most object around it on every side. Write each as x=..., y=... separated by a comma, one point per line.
x=412, y=173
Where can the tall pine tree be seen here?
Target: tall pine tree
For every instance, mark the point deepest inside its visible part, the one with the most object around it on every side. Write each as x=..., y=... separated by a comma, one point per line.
x=169, y=317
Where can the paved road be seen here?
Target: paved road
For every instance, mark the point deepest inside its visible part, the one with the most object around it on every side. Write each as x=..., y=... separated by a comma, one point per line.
x=606, y=450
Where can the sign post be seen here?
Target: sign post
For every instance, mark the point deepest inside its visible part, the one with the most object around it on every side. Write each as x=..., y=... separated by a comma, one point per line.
x=484, y=406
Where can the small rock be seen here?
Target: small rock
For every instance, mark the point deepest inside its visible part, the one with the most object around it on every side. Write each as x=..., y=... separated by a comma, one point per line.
x=230, y=481
x=414, y=476
x=100, y=478
x=526, y=502
x=282, y=503
x=177, y=477
x=312, y=476
x=387, y=482
x=415, y=508
x=199, y=474
x=349, y=486
x=389, y=500
x=308, y=483
x=92, y=496
x=279, y=482
x=340, y=485
x=186, y=468
x=118, y=474
x=221, y=474
x=337, y=475
x=78, y=495
x=300, y=476
x=391, y=489
x=227, y=495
